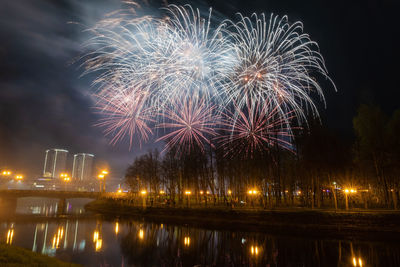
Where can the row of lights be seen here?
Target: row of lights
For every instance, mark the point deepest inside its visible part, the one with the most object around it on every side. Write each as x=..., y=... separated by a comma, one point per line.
x=18, y=177
x=250, y=192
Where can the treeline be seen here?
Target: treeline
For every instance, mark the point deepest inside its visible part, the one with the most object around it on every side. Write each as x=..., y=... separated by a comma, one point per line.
x=316, y=174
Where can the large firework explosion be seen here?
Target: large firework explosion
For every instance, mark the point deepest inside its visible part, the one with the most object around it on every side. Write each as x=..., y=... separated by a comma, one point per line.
x=273, y=63
x=248, y=79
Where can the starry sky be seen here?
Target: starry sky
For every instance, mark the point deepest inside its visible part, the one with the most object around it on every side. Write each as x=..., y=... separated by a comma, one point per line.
x=44, y=103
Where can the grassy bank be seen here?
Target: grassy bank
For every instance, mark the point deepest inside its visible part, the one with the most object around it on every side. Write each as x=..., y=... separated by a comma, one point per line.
x=16, y=256
x=368, y=225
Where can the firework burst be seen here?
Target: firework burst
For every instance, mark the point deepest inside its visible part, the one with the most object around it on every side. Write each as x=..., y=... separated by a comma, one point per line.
x=274, y=63
x=181, y=73
x=255, y=129
x=191, y=124
x=171, y=57
x=124, y=115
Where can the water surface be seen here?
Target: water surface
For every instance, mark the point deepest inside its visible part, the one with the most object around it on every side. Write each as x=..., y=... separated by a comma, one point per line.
x=93, y=241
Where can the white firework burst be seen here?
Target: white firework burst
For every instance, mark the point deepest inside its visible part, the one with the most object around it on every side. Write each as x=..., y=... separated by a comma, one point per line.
x=274, y=64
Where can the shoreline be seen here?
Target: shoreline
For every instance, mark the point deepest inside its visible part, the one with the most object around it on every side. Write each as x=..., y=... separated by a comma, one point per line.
x=383, y=225
x=17, y=256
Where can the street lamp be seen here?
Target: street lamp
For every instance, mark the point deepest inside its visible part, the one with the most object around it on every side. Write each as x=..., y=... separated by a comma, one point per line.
x=187, y=193
x=252, y=192
x=144, y=193
x=6, y=173
x=65, y=177
x=19, y=177
x=101, y=177
x=348, y=191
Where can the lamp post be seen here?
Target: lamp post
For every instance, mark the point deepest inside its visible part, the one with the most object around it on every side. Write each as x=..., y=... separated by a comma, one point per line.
x=346, y=193
x=65, y=177
x=101, y=178
x=6, y=173
x=66, y=181
x=187, y=193
x=230, y=198
x=252, y=193
x=144, y=193
x=161, y=196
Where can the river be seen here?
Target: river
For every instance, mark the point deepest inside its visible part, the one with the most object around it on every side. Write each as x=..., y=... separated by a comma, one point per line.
x=91, y=240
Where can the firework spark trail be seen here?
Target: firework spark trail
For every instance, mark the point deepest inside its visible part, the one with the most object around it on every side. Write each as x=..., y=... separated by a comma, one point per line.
x=149, y=68
x=275, y=60
x=191, y=123
x=255, y=129
x=124, y=115
x=171, y=57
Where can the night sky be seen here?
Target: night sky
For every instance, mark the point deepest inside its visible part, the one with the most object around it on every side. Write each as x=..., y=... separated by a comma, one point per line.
x=44, y=103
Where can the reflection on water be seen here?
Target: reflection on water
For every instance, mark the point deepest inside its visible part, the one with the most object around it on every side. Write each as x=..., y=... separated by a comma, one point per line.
x=49, y=207
x=134, y=243
x=95, y=242
x=10, y=235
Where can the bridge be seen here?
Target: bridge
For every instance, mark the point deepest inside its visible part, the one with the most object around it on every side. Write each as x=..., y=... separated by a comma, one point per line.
x=48, y=194
x=8, y=198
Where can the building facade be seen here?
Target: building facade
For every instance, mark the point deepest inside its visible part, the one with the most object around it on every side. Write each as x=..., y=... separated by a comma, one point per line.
x=55, y=162
x=82, y=167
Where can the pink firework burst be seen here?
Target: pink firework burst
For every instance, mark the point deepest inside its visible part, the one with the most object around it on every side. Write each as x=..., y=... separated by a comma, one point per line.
x=191, y=124
x=256, y=129
x=124, y=115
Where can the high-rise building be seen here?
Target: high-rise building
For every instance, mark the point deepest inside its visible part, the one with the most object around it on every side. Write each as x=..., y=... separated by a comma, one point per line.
x=55, y=162
x=82, y=167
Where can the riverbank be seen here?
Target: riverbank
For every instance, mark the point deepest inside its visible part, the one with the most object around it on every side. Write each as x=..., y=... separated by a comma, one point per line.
x=380, y=225
x=16, y=256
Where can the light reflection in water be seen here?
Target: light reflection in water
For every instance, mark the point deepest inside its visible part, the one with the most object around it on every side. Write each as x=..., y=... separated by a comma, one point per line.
x=169, y=245
x=141, y=234
x=99, y=243
x=10, y=235
x=97, y=240
x=116, y=228
x=95, y=235
x=49, y=206
x=57, y=237
x=186, y=241
x=254, y=250
x=357, y=261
